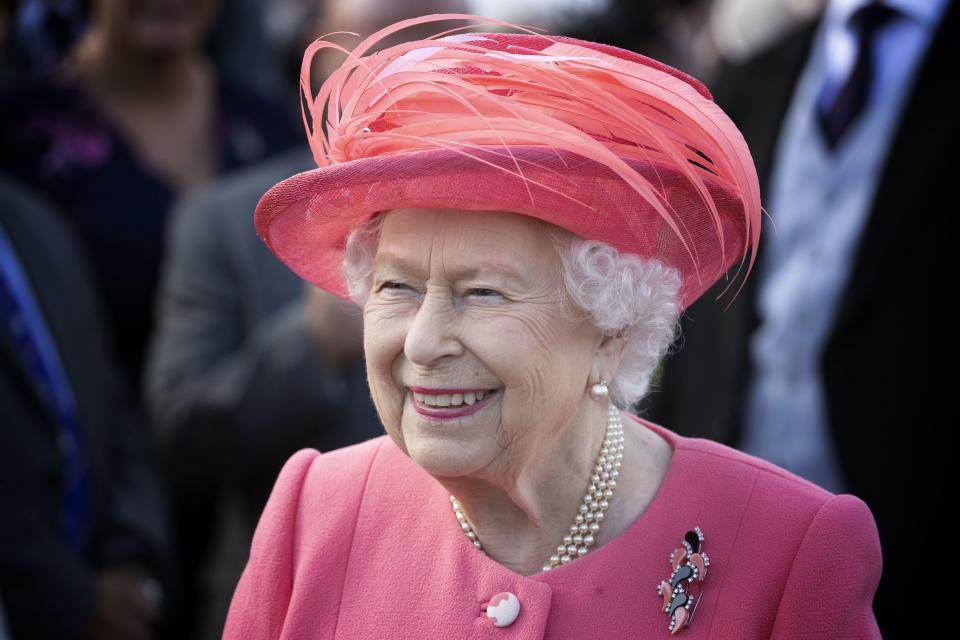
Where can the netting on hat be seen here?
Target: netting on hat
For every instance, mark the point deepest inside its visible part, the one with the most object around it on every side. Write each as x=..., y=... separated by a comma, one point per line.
x=606, y=143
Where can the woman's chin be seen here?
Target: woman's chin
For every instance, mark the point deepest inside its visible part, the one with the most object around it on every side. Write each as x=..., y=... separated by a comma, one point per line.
x=445, y=444
x=448, y=449
x=446, y=458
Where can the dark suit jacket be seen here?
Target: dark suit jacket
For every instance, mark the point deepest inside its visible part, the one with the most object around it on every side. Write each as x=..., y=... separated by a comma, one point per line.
x=879, y=366
x=48, y=588
x=235, y=381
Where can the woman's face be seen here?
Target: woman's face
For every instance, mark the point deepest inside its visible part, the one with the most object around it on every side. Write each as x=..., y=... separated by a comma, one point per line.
x=156, y=26
x=464, y=302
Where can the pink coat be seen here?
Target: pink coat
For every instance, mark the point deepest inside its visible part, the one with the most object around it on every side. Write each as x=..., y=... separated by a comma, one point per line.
x=362, y=543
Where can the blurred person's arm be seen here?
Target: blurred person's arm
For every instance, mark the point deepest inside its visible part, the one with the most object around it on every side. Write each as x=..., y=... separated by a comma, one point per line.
x=230, y=399
x=133, y=542
x=48, y=590
x=129, y=544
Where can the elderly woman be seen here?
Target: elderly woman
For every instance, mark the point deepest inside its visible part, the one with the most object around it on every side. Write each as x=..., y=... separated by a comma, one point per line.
x=522, y=218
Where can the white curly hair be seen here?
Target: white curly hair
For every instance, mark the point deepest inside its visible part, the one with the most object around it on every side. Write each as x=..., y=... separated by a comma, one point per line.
x=623, y=294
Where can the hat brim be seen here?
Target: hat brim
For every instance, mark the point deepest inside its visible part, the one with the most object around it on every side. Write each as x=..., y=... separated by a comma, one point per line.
x=306, y=218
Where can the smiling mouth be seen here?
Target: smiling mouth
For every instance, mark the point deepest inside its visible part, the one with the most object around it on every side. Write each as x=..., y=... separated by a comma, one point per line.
x=464, y=408
x=451, y=400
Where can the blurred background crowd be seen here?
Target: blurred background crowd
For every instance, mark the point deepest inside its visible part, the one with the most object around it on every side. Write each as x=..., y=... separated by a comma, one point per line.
x=158, y=365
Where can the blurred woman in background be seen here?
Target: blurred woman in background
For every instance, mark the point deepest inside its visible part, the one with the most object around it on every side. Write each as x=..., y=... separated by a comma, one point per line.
x=135, y=116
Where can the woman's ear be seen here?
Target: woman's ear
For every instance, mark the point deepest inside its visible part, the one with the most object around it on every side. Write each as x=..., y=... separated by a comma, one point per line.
x=608, y=356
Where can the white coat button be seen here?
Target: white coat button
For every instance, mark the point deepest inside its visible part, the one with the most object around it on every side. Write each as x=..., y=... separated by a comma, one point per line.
x=503, y=609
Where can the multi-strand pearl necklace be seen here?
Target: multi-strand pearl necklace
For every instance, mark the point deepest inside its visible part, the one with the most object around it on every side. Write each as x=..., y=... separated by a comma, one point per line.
x=595, y=503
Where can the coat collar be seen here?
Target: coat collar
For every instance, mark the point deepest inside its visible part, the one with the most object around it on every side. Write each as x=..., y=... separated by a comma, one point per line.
x=407, y=528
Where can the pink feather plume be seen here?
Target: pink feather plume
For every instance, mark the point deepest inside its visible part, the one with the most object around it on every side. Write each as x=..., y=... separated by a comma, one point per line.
x=448, y=92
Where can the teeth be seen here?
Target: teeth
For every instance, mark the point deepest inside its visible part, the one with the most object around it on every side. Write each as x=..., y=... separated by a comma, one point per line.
x=449, y=400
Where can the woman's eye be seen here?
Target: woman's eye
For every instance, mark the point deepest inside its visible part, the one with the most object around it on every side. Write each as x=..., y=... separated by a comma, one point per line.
x=483, y=293
x=393, y=285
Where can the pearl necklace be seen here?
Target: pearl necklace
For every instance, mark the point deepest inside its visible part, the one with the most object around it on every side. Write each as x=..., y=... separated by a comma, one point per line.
x=595, y=503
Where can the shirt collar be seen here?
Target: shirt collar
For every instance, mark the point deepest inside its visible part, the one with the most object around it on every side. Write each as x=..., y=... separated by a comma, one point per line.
x=925, y=12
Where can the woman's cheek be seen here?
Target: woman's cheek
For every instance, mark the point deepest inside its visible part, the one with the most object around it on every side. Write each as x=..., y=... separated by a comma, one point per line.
x=380, y=352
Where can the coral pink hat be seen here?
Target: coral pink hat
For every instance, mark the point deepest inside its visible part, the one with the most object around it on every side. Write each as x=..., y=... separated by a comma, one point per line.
x=603, y=142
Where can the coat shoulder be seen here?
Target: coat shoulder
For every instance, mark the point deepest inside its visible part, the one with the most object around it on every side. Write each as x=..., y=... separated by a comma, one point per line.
x=348, y=466
x=756, y=468
x=771, y=495
x=738, y=469
x=318, y=489
x=311, y=514
x=795, y=500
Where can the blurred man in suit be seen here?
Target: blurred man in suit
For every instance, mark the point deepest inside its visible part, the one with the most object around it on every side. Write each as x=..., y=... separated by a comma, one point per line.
x=246, y=367
x=82, y=531
x=820, y=365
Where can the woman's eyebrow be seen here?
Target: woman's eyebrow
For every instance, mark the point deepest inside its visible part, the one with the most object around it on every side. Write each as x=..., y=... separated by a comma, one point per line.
x=485, y=267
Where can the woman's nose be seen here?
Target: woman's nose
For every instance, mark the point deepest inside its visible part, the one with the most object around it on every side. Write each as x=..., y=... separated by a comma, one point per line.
x=432, y=333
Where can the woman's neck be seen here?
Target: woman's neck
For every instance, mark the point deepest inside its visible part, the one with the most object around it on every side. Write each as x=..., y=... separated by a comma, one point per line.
x=521, y=517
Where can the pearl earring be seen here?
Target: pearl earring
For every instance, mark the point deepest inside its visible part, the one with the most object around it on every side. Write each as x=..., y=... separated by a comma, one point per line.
x=599, y=391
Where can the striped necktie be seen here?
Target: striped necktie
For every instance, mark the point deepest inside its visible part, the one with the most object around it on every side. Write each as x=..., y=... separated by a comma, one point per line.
x=835, y=116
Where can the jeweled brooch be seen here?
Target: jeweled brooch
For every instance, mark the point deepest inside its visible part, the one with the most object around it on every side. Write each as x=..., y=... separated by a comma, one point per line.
x=689, y=564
